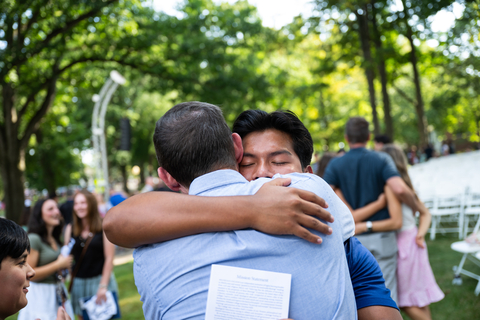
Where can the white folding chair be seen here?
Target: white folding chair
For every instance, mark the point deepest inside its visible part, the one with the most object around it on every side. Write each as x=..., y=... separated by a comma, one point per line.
x=472, y=210
x=477, y=289
x=446, y=209
x=471, y=252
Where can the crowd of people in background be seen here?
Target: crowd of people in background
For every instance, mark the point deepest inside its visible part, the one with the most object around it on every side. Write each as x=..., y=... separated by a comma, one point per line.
x=67, y=240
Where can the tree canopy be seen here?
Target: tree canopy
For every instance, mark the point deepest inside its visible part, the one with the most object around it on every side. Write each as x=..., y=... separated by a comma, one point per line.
x=382, y=59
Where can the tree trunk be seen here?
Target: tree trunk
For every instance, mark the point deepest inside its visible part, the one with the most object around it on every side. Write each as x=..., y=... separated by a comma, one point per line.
x=142, y=174
x=12, y=178
x=419, y=106
x=364, y=34
x=12, y=147
x=49, y=172
x=383, y=76
x=11, y=165
x=323, y=110
x=323, y=115
x=123, y=169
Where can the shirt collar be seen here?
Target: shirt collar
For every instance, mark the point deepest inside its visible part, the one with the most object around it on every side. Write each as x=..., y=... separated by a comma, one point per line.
x=358, y=149
x=214, y=180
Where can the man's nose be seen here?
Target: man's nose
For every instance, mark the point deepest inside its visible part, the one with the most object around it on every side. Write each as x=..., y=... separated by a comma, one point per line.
x=263, y=172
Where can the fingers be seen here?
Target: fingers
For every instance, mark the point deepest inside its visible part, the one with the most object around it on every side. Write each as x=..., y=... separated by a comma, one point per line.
x=314, y=209
x=311, y=197
x=307, y=235
x=420, y=242
x=62, y=314
x=281, y=182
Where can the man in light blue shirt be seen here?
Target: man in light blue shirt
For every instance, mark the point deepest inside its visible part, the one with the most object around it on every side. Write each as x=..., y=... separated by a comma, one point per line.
x=196, y=154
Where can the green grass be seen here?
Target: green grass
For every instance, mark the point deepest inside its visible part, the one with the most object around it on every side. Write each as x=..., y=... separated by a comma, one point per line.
x=130, y=304
x=459, y=303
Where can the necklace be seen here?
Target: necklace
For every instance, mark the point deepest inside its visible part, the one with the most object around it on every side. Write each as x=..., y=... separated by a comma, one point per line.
x=83, y=241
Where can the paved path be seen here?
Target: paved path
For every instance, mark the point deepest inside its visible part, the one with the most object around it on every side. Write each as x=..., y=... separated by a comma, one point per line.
x=122, y=256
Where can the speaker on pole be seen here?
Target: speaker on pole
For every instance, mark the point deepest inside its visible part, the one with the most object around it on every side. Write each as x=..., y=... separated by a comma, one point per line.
x=125, y=134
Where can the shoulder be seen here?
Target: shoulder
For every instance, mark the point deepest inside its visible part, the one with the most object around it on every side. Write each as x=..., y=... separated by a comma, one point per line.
x=378, y=156
x=35, y=240
x=335, y=162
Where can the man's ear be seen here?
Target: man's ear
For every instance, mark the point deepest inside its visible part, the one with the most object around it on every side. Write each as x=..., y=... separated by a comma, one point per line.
x=168, y=179
x=346, y=139
x=308, y=169
x=238, y=146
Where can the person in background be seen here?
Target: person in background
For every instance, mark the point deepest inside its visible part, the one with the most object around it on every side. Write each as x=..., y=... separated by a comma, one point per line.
x=380, y=141
x=47, y=291
x=323, y=162
x=53, y=196
x=361, y=176
x=102, y=205
x=417, y=287
x=66, y=210
x=149, y=185
x=92, y=273
x=15, y=272
x=116, y=197
x=428, y=152
x=26, y=212
x=412, y=156
x=316, y=158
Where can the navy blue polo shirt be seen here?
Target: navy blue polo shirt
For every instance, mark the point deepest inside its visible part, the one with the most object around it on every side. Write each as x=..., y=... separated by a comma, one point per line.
x=361, y=174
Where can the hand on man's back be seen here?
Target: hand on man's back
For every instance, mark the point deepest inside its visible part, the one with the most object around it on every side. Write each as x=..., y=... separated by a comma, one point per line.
x=280, y=210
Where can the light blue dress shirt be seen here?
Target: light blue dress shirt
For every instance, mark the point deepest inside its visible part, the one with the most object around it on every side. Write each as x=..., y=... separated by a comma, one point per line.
x=173, y=277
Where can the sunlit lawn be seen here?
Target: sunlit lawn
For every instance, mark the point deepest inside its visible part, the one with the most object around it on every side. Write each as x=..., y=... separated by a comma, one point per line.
x=459, y=302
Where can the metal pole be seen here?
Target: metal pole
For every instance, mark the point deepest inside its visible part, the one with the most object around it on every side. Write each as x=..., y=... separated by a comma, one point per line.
x=98, y=128
x=98, y=131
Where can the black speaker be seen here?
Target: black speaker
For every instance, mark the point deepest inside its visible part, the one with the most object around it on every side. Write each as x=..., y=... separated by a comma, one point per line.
x=125, y=134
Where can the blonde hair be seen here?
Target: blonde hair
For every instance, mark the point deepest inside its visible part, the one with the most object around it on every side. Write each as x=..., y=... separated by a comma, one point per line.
x=93, y=217
x=400, y=162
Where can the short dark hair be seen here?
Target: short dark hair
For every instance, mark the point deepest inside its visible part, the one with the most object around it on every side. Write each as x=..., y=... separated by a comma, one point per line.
x=13, y=240
x=193, y=139
x=356, y=130
x=282, y=120
x=37, y=225
x=382, y=138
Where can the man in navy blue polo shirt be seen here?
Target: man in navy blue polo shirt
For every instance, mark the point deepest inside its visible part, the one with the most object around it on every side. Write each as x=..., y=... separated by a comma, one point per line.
x=361, y=175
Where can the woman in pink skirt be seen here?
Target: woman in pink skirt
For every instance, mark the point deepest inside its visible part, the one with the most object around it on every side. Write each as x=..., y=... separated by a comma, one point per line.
x=417, y=287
